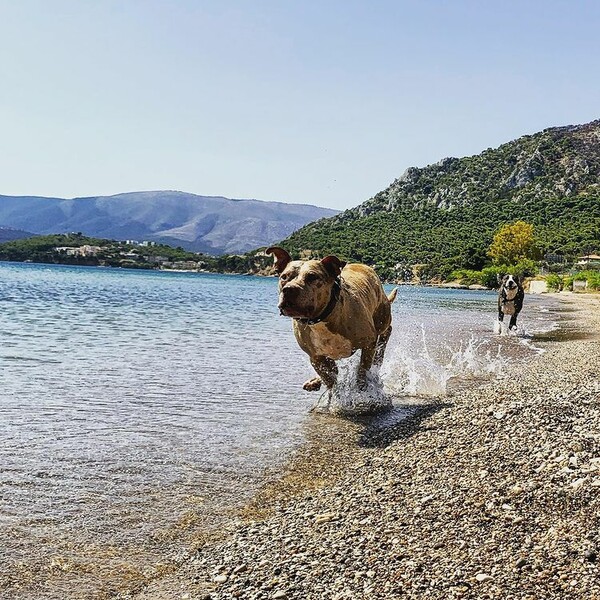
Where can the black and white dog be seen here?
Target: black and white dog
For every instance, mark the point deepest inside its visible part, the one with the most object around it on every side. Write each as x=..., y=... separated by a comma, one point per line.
x=510, y=298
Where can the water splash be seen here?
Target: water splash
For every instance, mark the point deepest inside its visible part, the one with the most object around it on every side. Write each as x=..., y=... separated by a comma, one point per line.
x=415, y=371
x=347, y=399
x=411, y=369
x=501, y=328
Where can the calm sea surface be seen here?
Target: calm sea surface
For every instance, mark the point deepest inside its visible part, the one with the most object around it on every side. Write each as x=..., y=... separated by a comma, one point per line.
x=136, y=406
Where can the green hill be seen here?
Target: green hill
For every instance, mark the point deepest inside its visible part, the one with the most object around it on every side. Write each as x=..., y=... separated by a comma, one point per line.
x=444, y=215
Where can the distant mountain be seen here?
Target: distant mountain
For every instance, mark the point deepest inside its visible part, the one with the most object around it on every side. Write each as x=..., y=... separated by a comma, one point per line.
x=210, y=224
x=8, y=234
x=444, y=215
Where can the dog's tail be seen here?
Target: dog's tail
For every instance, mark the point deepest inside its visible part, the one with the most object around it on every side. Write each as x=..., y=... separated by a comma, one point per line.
x=392, y=295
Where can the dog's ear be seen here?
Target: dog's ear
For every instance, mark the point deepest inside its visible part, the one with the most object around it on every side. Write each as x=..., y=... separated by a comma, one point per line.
x=521, y=279
x=499, y=277
x=282, y=258
x=333, y=265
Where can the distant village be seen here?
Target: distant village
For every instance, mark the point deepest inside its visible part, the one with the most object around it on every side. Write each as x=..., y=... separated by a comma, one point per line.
x=133, y=253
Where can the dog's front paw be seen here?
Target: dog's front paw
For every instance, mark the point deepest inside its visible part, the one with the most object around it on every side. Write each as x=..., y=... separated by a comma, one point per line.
x=313, y=385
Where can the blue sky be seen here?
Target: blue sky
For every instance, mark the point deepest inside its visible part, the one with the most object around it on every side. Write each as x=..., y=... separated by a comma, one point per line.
x=297, y=101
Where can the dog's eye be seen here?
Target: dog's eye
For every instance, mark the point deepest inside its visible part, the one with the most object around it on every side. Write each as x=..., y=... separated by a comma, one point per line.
x=283, y=277
x=310, y=277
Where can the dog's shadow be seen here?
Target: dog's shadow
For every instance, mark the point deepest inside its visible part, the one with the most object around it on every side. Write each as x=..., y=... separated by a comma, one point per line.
x=384, y=426
x=400, y=422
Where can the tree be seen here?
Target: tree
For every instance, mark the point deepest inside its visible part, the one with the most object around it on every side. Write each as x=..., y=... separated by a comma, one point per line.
x=514, y=243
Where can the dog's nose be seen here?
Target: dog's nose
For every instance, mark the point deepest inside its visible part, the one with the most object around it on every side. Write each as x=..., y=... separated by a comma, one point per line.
x=290, y=292
x=288, y=297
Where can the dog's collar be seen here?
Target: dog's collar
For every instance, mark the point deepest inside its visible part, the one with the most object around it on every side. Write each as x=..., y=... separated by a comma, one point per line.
x=335, y=295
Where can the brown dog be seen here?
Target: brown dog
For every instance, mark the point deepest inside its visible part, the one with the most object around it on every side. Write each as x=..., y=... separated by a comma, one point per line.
x=337, y=308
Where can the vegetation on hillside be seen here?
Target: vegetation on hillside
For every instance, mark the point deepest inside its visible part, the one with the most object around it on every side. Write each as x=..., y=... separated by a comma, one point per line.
x=443, y=217
x=111, y=253
x=44, y=249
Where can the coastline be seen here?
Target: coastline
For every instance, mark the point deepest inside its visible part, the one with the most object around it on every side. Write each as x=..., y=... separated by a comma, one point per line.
x=490, y=492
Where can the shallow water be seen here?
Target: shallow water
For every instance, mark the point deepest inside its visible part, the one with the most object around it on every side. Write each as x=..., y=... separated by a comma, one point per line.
x=137, y=406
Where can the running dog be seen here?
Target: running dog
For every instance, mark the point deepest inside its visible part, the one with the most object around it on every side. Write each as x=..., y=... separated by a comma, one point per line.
x=337, y=308
x=510, y=298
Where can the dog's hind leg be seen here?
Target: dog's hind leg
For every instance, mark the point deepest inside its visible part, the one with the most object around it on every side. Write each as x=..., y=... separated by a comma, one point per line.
x=382, y=341
x=366, y=360
x=513, y=322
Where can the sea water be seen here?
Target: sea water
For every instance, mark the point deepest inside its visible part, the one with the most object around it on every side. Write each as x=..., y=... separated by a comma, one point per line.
x=136, y=407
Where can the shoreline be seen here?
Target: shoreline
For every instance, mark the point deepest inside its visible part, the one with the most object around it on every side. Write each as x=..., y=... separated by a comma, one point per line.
x=489, y=492
x=452, y=285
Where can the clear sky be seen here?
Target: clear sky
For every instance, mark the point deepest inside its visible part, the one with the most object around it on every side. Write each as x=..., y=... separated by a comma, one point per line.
x=324, y=102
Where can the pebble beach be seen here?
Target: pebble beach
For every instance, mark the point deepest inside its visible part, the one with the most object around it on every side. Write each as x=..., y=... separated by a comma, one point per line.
x=492, y=491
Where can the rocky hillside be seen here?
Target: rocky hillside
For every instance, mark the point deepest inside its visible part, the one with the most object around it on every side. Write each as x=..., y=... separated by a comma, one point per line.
x=444, y=215
x=209, y=224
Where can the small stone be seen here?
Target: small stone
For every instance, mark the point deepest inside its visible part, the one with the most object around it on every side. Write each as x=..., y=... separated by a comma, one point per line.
x=483, y=577
x=220, y=579
x=590, y=555
x=499, y=415
x=325, y=518
x=520, y=563
x=280, y=594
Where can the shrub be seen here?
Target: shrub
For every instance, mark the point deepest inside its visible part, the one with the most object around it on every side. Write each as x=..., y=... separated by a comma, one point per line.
x=592, y=278
x=554, y=282
x=489, y=276
x=466, y=276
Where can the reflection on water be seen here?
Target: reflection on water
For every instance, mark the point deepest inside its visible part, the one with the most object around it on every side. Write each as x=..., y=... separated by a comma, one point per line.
x=135, y=406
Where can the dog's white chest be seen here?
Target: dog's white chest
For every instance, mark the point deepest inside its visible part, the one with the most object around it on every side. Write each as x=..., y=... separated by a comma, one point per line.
x=329, y=344
x=508, y=304
x=508, y=307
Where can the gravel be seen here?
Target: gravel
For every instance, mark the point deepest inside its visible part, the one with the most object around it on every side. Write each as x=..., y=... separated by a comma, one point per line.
x=490, y=492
